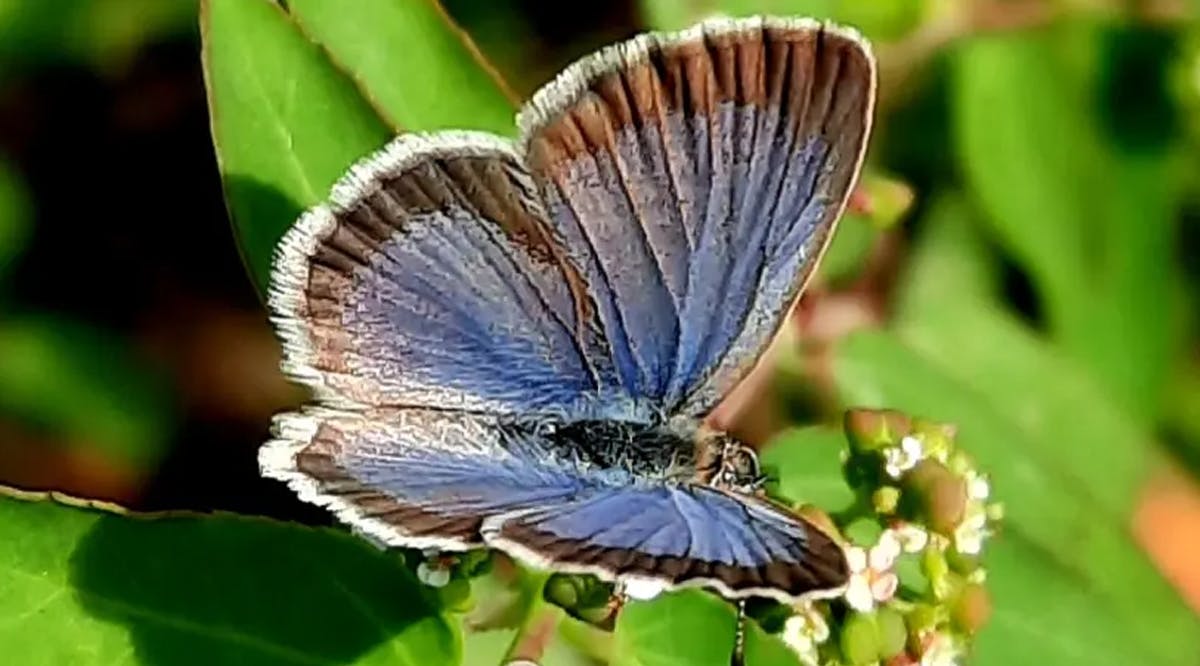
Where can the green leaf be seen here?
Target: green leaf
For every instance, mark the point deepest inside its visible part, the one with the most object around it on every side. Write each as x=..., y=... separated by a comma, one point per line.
x=1089, y=219
x=950, y=266
x=1062, y=413
x=809, y=466
x=763, y=649
x=684, y=628
x=691, y=628
x=88, y=588
x=1053, y=495
x=84, y=386
x=286, y=122
x=849, y=249
x=1043, y=614
x=421, y=70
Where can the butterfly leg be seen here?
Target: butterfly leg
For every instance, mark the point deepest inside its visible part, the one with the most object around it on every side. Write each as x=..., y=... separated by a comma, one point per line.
x=620, y=597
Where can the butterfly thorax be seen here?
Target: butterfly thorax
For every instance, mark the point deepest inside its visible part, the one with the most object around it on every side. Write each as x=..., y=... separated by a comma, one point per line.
x=672, y=453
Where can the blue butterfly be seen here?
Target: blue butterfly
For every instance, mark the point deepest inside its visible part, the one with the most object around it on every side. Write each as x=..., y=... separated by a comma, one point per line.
x=514, y=344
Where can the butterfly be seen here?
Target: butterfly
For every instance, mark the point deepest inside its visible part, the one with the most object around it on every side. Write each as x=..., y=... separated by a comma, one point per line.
x=514, y=344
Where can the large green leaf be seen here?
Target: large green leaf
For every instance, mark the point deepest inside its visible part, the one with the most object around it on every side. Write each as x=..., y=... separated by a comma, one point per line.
x=950, y=266
x=945, y=312
x=421, y=70
x=1089, y=218
x=1044, y=614
x=685, y=628
x=1055, y=499
x=286, y=122
x=79, y=586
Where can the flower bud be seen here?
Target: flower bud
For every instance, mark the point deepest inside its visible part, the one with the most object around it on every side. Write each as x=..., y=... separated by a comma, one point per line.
x=971, y=609
x=859, y=640
x=456, y=595
x=563, y=591
x=888, y=199
x=936, y=570
x=874, y=429
x=434, y=573
x=962, y=563
x=938, y=438
x=893, y=635
x=939, y=496
x=922, y=618
x=885, y=500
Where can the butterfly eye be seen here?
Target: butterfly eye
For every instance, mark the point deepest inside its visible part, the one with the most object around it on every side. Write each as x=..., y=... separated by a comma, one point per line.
x=745, y=464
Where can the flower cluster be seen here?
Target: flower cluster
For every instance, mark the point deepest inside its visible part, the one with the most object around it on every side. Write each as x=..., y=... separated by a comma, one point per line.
x=913, y=543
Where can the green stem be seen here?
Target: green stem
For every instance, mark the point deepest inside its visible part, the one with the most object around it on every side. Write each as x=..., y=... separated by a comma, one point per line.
x=537, y=628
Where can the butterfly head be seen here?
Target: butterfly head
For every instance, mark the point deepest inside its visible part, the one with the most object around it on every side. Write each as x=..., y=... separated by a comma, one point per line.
x=725, y=462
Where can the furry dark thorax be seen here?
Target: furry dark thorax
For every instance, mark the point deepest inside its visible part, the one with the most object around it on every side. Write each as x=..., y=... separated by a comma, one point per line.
x=668, y=452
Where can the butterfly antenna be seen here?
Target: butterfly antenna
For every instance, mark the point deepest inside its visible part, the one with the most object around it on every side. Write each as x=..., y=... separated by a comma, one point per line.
x=739, y=637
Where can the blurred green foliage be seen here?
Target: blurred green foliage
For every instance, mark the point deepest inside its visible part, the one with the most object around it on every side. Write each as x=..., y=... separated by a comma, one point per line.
x=85, y=386
x=14, y=216
x=1042, y=301
x=101, y=34
x=75, y=388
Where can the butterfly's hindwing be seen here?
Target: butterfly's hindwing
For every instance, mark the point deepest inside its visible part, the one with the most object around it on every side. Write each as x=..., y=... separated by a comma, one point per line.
x=680, y=535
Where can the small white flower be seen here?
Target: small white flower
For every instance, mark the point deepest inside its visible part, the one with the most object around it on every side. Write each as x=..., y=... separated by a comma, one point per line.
x=871, y=578
x=970, y=533
x=804, y=631
x=899, y=459
x=911, y=537
x=940, y=650
x=642, y=589
x=433, y=573
x=978, y=487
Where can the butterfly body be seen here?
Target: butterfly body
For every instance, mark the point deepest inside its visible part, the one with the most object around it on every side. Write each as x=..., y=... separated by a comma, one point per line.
x=645, y=451
x=513, y=344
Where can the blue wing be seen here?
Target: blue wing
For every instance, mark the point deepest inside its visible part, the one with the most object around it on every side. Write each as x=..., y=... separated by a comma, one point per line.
x=696, y=179
x=432, y=280
x=421, y=478
x=454, y=480
x=679, y=535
